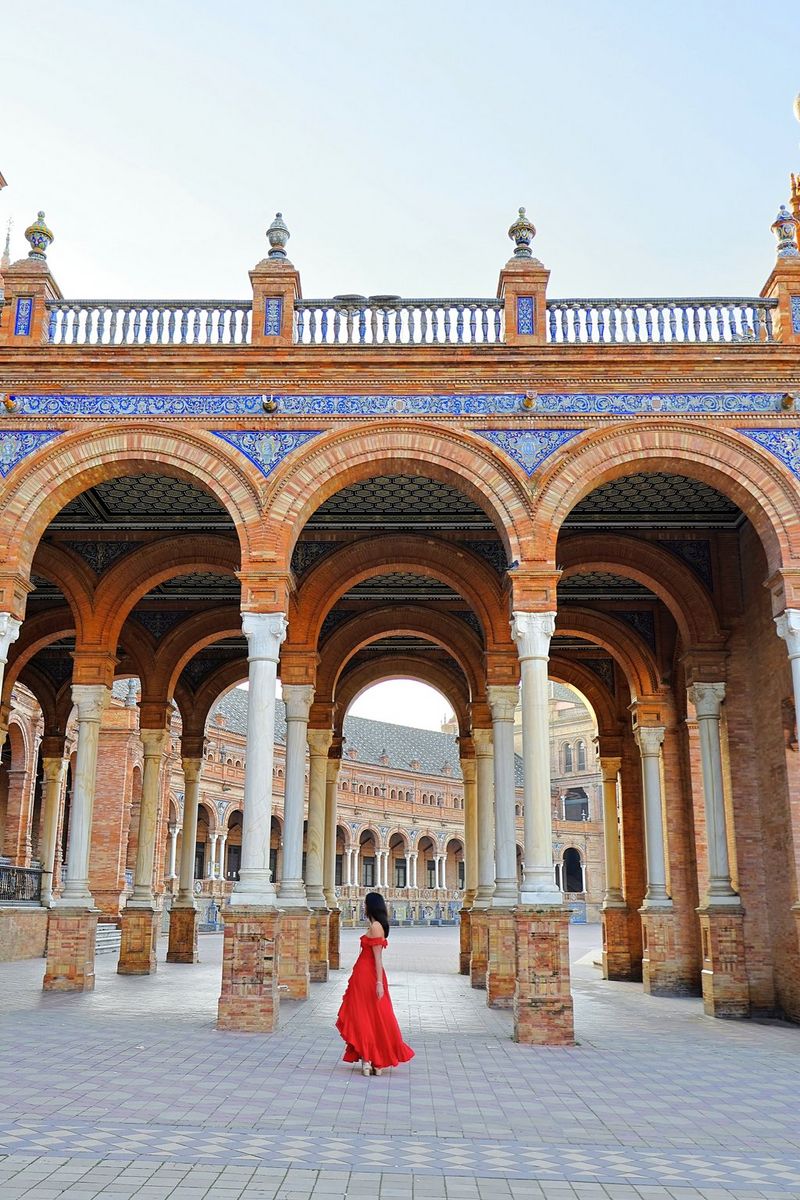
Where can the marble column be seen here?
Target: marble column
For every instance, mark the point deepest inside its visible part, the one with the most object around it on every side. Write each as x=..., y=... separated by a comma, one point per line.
x=412, y=859
x=484, y=790
x=9, y=632
x=707, y=700
x=329, y=864
x=471, y=836
x=408, y=872
x=173, y=831
x=211, y=870
x=319, y=741
x=183, y=916
x=788, y=627
x=223, y=841
x=503, y=702
x=649, y=739
x=348, y=865
x=264, y=632
x=298, y=699
x=532, y=633
x=90, y=700
x=55, y=772
x=609, y=768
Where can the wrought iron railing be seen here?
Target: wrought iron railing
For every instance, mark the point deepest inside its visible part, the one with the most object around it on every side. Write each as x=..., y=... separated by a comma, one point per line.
x=149, y=322
x=394, y=321
x=716, y=319
x=18, y=884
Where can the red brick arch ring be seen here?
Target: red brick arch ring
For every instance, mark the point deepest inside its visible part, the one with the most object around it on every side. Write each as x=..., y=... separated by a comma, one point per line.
x=750, y=476
x=623, y=643
x=450, y=683
x=583, y=680
x=342, y=457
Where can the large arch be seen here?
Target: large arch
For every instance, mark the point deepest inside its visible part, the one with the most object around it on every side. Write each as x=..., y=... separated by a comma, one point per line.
x=625, y=645
x=355, y=682
x=752, y=478
x=44, y=483
x=342, y=457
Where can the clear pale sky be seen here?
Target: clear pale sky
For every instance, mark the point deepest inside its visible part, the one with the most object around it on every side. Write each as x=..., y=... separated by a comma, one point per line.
x=650, y=142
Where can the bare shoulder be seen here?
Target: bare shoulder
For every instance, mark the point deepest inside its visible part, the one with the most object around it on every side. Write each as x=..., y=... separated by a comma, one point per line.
x=375, y=929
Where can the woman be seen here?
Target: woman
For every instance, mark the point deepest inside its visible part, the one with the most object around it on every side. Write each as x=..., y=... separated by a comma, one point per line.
x=366, y=1019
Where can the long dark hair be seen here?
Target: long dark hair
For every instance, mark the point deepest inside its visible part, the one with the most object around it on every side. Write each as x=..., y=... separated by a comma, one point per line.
x=375, y=905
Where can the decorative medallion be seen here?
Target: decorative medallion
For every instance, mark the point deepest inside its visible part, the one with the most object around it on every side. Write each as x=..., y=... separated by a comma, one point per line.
x=529, y=447
x=783, y=443
x=266, y=450
x=642, y=620
x=16, y=444
x=603, y=668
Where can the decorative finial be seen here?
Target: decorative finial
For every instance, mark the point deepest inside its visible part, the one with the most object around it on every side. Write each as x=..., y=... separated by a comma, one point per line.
x=522, y=233
x=5, y=261
x=785, y=229
x=277, y=236
x=39, y=237
x=130, y=699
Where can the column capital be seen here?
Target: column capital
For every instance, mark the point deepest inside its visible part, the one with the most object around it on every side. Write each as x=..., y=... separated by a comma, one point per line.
x=319, y=741
x=532, y=632
x=52, y=768
x=154, y=742
x=610, y=768
x=91, y=700
x=503, y=701
x=788, y=627
x=332, y=769
x=191, y=769
x=9, y=632
x=706, y=698
x=468, y=770
x=483, y=742
x=298, y=698
x=649, y=739
x=265, y=633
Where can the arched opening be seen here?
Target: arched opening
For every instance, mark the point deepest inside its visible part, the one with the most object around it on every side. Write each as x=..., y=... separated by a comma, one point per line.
x=572, y=875
x=233, y=847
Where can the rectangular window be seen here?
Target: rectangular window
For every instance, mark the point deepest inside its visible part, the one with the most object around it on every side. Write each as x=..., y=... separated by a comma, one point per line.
x=430, y=867
x=368, y=872
x=400, y=872
x=338, y=875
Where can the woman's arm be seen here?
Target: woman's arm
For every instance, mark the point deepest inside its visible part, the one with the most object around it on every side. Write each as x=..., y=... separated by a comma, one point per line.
x=376, y=931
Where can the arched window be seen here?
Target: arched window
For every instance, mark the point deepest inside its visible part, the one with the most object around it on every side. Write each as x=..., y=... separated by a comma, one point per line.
x=581, y=754
x=572, y=872
x=566, y=753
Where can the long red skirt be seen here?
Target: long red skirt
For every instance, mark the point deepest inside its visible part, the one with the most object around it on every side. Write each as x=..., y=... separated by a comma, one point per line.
x=367, y=1024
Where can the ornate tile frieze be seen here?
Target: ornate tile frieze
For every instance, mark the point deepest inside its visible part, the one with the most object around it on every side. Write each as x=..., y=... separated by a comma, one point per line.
x=16, y=444
x=264, y=449
x=783, y=443
x=529, y=447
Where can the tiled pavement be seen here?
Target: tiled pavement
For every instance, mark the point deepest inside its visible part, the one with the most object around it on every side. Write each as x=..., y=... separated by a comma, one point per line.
x=131, y=1092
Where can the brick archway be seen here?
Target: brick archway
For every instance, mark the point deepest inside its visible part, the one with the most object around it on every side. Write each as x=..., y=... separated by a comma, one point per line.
x=355, y=682
x=44, y=483
x=721, y=458
x=630, y=650
x=596, y=694
x=340, y=458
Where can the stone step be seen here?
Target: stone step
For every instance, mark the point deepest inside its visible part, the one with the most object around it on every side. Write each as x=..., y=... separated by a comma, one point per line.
x=108, y=939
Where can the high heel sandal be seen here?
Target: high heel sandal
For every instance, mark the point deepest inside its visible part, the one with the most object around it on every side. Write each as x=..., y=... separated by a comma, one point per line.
x=377, y=1070
x=366, y=1069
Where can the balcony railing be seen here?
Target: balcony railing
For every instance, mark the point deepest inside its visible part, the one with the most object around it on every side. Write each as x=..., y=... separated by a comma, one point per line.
x=395, y=321
x=20, y=884
x=149, y=323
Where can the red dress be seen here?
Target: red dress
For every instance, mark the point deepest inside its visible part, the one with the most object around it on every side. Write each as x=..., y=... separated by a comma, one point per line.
x=368, y=1024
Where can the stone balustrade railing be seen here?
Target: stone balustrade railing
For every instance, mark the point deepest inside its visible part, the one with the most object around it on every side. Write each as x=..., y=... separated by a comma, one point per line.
x=716, y=319
x=394, y=321
x=149, y=322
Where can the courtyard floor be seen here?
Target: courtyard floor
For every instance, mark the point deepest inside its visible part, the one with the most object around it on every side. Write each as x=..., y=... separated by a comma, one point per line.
x=130, y=1092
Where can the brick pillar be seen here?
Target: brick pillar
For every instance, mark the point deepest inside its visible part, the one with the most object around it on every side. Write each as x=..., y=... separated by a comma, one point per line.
x=465, y=942
x=501, y=973
x=293, y=962
x=334, y=927
x=137, y=950
x=249, y=998
x=542, y=1000
x=726, y=992
x=71, y=936
x=116, y=751
x=318, y=945
x=18, y=815
x=664, y=971
x=479, y=947
x=182, y=946
x=617, y=960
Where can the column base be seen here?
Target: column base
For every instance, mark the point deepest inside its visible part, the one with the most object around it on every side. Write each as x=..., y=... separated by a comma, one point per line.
x=465, y=941
x=334, y=926
x=71, y=934
x=293, y=975
x=542, y=1001
x=318, y=945
x=726, y=990
x=183, y=923
x=479, y=947
x=664, y=972
x=110, y=903
x=250, y=954
x=140, y=928
x=501, y=973
x=617, y=961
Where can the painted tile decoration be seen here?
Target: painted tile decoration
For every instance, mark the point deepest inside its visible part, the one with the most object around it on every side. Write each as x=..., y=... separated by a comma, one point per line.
x=273, y=316
x=16, y=444
x=795, y=301
x=783, y=443
x=468, y=404
x=529, y=447
x=525, y=312
x=22, y=316
x=263, y=449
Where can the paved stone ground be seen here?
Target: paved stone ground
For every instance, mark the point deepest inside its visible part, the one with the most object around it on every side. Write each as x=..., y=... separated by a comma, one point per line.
x=131, y=1092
